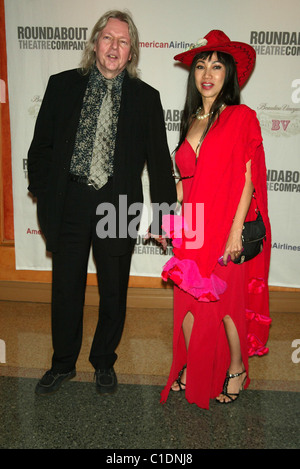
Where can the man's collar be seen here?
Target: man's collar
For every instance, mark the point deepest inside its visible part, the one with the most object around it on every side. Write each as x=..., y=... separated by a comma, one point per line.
x=99, y=77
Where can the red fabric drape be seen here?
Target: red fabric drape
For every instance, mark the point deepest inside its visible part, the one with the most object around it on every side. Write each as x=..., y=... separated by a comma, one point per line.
x=6, y=173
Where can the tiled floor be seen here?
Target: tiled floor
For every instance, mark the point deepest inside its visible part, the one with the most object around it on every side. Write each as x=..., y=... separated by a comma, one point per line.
x=266, y=415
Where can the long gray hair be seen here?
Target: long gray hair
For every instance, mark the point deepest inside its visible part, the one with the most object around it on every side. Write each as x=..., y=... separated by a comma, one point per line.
x=88, y=58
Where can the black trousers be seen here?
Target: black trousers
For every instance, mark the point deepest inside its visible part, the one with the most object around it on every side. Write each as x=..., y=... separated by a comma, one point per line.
x=70, y=262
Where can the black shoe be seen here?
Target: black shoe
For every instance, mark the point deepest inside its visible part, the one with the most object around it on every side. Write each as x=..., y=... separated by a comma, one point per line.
x=106, y=381
x=179, y=382
x=232, y=396
x=52, y=381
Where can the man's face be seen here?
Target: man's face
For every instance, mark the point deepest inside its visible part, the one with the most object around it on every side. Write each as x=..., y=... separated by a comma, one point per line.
x=112, y=48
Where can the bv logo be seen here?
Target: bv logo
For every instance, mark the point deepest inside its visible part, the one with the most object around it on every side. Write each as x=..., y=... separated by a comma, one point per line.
x=280, y=124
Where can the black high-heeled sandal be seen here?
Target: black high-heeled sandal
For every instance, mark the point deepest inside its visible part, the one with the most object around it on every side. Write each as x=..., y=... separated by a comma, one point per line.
x=232, y=396
x=179, y=382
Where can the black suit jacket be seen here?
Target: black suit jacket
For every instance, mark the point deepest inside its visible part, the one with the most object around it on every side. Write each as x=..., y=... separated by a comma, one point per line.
x=141, y=138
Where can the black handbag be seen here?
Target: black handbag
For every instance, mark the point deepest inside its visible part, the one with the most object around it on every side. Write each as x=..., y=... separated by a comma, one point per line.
x=253, y=235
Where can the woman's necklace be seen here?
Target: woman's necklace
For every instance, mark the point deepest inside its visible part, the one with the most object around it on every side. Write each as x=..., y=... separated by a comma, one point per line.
x=201, y=116
x=204, y=116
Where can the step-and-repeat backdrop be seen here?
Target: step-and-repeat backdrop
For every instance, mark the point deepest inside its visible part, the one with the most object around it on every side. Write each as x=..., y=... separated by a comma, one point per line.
x=47, y=36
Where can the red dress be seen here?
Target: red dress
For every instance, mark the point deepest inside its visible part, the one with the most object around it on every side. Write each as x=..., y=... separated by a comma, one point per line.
x=203, y=287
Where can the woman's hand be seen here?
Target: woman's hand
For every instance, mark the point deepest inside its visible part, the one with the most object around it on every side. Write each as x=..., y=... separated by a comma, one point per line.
x=234, y=245
x=160, y=239
x=179, y=190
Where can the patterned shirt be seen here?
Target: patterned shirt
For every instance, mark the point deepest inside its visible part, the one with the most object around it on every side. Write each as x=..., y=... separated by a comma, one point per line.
x=96, y=133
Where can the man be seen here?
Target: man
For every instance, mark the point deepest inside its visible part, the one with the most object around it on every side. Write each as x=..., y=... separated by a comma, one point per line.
x=96, y=128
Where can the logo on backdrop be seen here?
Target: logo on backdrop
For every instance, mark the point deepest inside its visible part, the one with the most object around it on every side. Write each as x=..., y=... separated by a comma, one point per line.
x=286, y=247
x=275, y=42
x=52, y=38
x=283, y=180
x=34, y=107
x=144, y=246
x=164, y=45
x=282, y=119
x=172, y=119
x=279, y=120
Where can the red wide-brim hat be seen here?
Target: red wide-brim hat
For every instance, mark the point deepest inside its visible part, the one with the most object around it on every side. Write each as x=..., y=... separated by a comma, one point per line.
x=243, y=54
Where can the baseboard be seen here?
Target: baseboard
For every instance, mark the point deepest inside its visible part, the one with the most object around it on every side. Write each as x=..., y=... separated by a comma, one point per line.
x=41, y=293
x=280, y=301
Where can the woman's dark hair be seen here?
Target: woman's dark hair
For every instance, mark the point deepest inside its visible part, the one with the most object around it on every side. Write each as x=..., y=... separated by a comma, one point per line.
x=229, y=95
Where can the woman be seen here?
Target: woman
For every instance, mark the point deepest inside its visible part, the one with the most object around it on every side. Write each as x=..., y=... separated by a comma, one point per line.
x=221, y=313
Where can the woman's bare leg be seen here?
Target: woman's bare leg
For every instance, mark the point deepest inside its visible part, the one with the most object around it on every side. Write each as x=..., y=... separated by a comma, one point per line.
x=187, y=327
x=236, y=361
